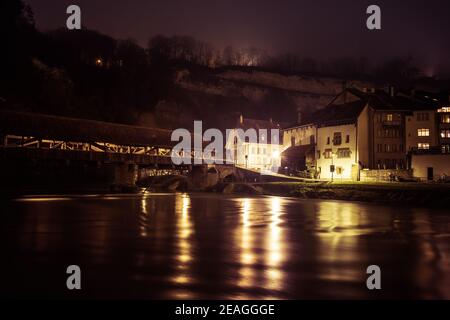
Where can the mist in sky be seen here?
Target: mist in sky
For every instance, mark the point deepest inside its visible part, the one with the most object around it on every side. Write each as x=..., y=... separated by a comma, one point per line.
x=320, y=29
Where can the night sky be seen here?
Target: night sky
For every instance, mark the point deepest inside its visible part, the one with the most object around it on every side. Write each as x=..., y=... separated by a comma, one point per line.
x=319, y=29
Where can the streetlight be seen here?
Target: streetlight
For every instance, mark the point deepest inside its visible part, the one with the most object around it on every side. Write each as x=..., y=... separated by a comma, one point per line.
x=332, y=166
x=275, y=158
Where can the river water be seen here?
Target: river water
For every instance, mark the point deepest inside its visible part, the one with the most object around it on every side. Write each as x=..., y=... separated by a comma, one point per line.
x=210, y=246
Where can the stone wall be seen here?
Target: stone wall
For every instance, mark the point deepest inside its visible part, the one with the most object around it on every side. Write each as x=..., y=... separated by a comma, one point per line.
x=384, y=175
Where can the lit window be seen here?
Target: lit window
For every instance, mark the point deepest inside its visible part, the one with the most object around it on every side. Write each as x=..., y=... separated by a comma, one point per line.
x=328, y=154
x=423, y=132
x=445, y=118
x=343, y=153
x=389, y=117
x=445, y=133
x=423, y=146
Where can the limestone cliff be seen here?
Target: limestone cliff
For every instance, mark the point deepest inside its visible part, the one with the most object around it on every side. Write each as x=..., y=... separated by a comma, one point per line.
x=218, y=96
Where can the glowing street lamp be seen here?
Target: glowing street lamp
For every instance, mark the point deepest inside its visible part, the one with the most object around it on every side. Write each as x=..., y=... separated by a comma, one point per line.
x=275, y=159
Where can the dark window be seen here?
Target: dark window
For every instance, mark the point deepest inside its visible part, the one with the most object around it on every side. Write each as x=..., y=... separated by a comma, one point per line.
x=423, y=116
x=379, y=117
x=347, y=139
x=328, y=140
x=337, y=138
x=446, y=148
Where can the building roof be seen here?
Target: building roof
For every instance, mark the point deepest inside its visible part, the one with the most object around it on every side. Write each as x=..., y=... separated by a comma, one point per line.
x=257, y=124
x=341, y=113
x=334, y=114
x=298, y=151
x=400, y=101
x=245, y=124
x=80, y=130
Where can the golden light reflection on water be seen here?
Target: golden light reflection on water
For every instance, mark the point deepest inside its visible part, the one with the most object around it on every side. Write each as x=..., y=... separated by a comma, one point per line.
x=339, y=226
x=183, y=255
x=326, y=243
x=244, y=239
x=144, y=216
x=269, y=252
x=274, y=251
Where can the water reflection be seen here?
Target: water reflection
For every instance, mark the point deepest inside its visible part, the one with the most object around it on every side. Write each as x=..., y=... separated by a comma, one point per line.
x=274, y=255
x=188, y=246
x=260, y=242
x=245, y=244
x=340, y=225
x=183, y=254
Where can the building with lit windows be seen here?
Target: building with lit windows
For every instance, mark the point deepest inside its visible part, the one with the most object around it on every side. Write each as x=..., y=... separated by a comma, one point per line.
x=421, y=130
x=443, y=119
x=364, y=129
x=262, y=153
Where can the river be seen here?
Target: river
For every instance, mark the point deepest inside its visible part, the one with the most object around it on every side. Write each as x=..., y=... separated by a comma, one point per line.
x=211, y=246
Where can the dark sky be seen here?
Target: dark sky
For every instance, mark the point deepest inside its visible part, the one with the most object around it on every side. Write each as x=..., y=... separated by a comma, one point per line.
x=316, y=28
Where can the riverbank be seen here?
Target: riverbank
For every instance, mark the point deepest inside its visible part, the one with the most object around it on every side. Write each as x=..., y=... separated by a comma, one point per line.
x=398, y=193
x=435, y=195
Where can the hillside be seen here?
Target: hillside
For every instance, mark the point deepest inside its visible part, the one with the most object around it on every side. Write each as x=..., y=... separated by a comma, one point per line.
x=218, y=96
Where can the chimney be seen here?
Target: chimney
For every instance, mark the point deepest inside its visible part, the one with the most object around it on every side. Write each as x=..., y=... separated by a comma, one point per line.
x=299, y=116
x=270, y=120
x=241, y=119
x=391, y=91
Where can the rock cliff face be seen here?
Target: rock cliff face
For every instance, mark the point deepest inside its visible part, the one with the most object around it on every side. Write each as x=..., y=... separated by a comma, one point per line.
x=218, y=97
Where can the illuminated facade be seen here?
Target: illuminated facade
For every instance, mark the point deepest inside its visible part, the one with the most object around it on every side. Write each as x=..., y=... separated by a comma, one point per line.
x=375, y=130
x=336, y=146
x=443, y=119
x=421, y=130
x=262, y=154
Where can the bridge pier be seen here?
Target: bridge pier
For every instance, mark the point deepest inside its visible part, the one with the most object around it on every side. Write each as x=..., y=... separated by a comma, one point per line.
x=125, y=176
x=204, y=176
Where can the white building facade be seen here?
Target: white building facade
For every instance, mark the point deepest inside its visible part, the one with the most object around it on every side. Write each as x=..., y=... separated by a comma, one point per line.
x=255, y=144
x=337, y=156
